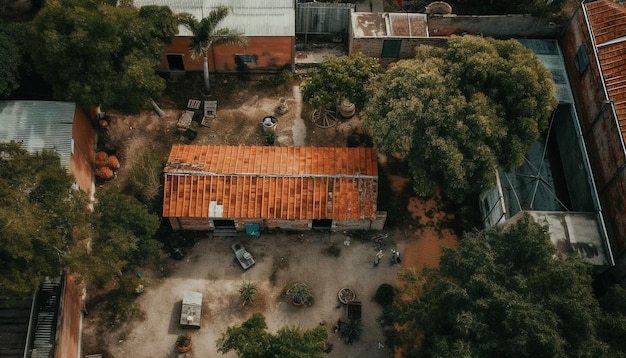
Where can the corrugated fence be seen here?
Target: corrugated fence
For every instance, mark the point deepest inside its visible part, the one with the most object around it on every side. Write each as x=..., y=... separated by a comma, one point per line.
x=323, y=18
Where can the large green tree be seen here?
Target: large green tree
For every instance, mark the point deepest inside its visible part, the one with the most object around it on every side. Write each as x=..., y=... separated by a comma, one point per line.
x=123, y=235
x=205, y=33
x=457, y=112
x=96, y=53
x=41, y=218
x=14, y=40
x=506, y=292
x=341, y=77
x=251, y=340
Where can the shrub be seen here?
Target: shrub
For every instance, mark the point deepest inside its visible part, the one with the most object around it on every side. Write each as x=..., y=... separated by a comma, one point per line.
x=113, y=162
x=385, y=294
x=101, y=159
x=299, y=294
x=145, y=176
x=247, y=291
x=351, y=330
x=104, y=173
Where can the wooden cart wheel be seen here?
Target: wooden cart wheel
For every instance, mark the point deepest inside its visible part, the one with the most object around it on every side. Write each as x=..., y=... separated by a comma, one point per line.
x=324, y=118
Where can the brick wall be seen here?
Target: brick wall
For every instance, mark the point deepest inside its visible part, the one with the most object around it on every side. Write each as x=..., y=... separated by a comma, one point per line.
x=273, y=53
x=600, y=131
x=70, y=319
x=82, y=160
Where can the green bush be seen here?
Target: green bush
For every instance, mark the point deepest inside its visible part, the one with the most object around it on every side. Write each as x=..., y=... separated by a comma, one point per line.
x=385, y=294
x=144, y=177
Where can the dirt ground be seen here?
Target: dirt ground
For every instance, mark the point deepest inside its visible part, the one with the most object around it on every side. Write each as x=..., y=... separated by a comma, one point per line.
x=282, y=258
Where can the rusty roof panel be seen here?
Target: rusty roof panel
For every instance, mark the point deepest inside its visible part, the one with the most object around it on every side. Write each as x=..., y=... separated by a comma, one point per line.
x=292, y=183
x=608, y=22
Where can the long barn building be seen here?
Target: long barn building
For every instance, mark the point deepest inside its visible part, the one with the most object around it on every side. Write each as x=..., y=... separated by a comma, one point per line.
x=296, y=188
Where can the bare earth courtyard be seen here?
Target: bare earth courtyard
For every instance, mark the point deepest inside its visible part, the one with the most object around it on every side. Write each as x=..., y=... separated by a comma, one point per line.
x=210, y=266
x=210, y=269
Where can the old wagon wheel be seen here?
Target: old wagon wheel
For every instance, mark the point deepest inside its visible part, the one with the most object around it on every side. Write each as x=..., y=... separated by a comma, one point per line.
x=324, y=118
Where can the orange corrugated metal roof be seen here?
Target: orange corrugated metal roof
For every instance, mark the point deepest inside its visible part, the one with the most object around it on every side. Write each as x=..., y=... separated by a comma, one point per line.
x=291, y=183
x=608, y=22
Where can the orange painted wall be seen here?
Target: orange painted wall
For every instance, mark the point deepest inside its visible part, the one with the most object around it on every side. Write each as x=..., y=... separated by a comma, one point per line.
x=273, y=53
x=82, y=160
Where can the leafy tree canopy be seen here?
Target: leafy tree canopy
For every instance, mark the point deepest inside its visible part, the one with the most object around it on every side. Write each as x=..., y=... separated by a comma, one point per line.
x=96, y=53
x=459, y=111
x=505, y=292
x=251, y=340
x=14, y=38
x=123, y=235
x=340, y=77
x=41, y=217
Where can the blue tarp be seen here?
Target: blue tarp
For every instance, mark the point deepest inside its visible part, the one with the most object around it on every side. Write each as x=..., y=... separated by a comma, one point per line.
x=253, y=229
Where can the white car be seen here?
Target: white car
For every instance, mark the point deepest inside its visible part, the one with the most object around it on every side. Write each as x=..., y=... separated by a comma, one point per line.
x=243, y=256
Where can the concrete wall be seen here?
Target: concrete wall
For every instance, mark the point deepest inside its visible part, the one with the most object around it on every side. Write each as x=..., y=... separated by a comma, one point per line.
x=201, y=224
x=500, y=26
x=373, y=47
x=298, y=225
x=600, y=130
x=82, y=160
x=273, y=54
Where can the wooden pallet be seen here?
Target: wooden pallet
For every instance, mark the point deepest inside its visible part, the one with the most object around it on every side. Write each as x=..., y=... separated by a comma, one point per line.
x=210, y=112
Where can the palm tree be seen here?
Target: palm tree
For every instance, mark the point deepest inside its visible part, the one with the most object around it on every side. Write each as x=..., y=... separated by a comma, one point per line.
x=205, y=34
x=351, y=330
x=300, y=294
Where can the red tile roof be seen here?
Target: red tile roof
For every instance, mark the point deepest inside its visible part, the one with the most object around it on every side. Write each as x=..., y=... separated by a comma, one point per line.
x=291, y=183
x=608, y=23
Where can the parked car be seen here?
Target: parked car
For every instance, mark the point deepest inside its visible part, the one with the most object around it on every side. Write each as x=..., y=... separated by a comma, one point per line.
x=243, y=256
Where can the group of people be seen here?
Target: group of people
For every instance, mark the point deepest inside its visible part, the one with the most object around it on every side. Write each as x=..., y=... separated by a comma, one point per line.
x=395, y=257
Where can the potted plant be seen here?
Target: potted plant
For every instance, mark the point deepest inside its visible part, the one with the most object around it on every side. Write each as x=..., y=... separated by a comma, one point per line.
x=183, y=343
x=299, y=294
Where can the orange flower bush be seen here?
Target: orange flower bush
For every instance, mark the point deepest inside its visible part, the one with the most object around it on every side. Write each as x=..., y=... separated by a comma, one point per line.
x=104, y=173
x=101, y=159
x=113, y=162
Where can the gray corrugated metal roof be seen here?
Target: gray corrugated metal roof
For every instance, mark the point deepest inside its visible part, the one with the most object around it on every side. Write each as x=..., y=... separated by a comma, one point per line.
x=39, y=125
x=549, y=53
x=253, y=18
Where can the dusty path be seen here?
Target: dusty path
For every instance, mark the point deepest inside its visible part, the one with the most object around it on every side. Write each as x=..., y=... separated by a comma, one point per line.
x=298, y=129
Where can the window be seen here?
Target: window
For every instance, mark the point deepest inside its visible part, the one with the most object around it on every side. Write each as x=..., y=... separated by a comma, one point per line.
x=247, y=60
x=391, y=48
x=175, y=62
x=321, y=224
x=582, y=59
